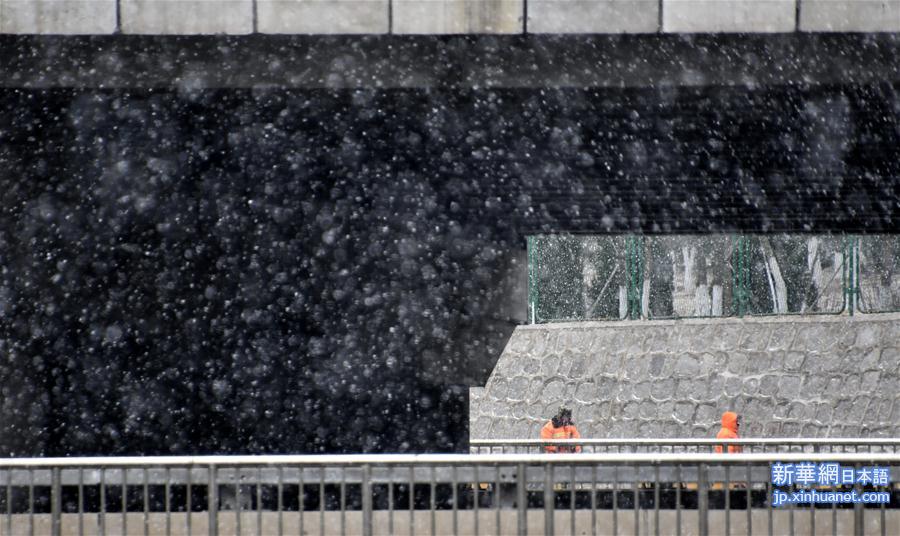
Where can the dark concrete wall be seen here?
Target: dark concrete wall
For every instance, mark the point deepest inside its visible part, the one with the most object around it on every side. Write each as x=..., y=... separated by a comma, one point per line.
x=746, y=61
x=216, y=271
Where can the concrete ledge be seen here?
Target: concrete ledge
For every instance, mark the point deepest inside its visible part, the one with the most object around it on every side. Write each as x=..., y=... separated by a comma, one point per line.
x=187, y=17
x=724, y=16
x=850, y=15
x=437, y=17
x=458, y=16
x=322, y=16
x=593, y=16
x=69, y=17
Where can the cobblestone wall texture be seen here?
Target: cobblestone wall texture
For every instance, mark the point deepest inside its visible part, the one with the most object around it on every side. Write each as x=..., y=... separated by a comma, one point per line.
x=788, y=376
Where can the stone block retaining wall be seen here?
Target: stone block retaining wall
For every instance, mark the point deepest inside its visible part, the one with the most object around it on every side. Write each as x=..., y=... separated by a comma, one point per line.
x=789, y=376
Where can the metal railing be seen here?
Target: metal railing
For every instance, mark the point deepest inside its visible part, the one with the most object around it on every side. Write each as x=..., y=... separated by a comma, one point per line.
x=696, y=445
x=638, y=493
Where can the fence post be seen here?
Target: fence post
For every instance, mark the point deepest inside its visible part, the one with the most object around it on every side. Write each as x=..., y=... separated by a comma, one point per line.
x=859, y=525
x=549, y=499
x=856, y=289
x=55, y=501
x=634, y=261
x=740, y=291
x=850, y=272
x=367, y=500
x=532, y=288
x=521, y=501
x=212, y=499
x=703, y=499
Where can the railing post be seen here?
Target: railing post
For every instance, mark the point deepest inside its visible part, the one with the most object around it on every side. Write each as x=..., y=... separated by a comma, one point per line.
x=367, y=529
x=212, y=496
x=859, y=523
x=521, y=501
x=55, y=501
x=703, y=499
x=549, y=506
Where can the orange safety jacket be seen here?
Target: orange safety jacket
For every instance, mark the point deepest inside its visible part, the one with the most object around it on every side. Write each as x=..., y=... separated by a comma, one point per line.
x=729, y=430
x=550, y=432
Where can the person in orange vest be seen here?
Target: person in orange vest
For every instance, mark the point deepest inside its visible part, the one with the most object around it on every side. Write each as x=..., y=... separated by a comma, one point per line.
x=731, y=424
x=560, y=427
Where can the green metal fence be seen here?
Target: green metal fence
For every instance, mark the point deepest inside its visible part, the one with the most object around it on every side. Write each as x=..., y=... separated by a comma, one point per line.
x=585, y=277
x=877, y=283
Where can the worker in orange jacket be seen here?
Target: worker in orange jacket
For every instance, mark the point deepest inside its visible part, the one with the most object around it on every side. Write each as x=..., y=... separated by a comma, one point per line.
x=731, y=424
x=560, y=427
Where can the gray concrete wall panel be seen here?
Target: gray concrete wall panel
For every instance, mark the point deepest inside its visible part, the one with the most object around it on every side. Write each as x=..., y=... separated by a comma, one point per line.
x=593, y=16
x=850, y=15
x=69, y=17
x=813, y=376
x=728, y=16
x=458, y=16
x=186, y=17
x=322, y=16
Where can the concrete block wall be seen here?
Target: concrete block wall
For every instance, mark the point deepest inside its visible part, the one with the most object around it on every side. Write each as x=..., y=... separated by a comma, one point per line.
x=722, y=16
x=186, y=17
x=435, y=17
x=458, y=16
x=593, y=16
x=323, y=16
x=62, y=17
x=813, y=376
x=850, y=16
